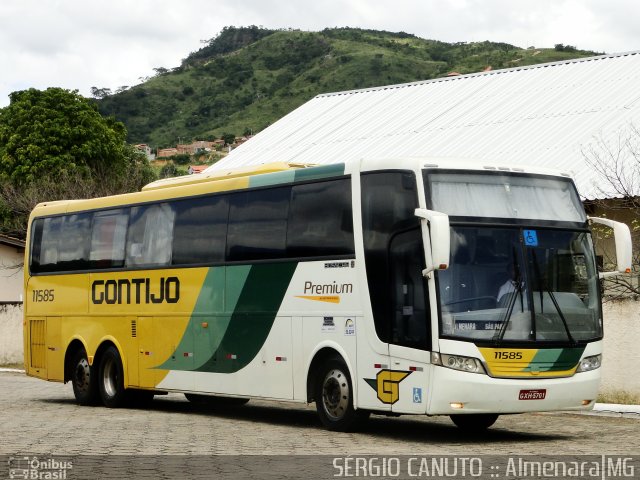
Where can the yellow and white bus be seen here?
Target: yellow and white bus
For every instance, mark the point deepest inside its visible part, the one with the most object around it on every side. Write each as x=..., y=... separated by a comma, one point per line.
x=393, y=287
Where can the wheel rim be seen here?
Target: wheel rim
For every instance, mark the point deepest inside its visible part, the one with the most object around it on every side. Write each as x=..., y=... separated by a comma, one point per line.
x=335, y=394
x=82, y=376
x=110, y=377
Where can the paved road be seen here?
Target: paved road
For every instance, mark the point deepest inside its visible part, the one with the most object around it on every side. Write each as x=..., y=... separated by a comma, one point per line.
x=38, y=417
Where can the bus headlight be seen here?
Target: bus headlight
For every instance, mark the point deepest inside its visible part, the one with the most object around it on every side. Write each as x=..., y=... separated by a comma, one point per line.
x=457, y=362
x=589, y=363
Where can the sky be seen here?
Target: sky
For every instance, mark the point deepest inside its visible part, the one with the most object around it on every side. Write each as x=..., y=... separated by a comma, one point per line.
x=79, y=44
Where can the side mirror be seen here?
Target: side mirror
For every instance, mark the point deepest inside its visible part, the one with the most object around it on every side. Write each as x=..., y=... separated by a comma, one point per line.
x=622, y=237
x=435, y=227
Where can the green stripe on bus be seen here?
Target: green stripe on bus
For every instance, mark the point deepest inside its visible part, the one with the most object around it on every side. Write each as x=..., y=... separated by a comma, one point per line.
x=315, y=173
x=276, y=178
x=298, y=175
x=212, y=309
x=253, y=317
x=555, y=359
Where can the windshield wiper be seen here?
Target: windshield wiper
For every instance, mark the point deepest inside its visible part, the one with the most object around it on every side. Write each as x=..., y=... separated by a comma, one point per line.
x=544, y=284
x=517, y=292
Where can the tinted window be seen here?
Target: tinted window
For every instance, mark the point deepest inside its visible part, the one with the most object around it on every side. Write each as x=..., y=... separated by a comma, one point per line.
x=389, y=200
x=320, y=220
x=410, y=322
x=150, y=235
x=200, y=230
x=258, y=224
x=51, y=233
x=108, y=238
x=36, y=245
x=61, y=243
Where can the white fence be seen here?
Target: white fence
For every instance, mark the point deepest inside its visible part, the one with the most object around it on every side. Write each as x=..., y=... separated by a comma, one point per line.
x=621, y=341
x=11, y=346
x=621, y=352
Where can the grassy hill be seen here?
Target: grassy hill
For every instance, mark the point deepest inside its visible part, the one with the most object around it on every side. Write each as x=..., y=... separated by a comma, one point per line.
x=247, y=78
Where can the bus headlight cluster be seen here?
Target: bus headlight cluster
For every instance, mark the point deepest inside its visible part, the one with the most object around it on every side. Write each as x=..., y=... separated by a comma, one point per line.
x=457, y=362
x=589, y=363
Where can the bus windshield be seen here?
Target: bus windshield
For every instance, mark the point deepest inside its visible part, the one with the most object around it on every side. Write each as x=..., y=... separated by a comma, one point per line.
x=516, y=284
x=511, y=195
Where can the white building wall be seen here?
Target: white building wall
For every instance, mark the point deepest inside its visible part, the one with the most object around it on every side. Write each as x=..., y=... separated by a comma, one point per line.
x=621, y=340
x=11, y=273
x=11, y=346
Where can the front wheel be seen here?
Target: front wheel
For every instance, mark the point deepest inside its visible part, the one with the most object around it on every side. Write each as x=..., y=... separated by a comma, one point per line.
x=477, y=422
x=334, y=398
x=83, y=379
x=111, y=379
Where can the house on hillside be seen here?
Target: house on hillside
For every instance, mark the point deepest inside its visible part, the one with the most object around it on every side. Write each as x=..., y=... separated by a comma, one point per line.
x=167, y=152
x=146, y=149
x=193, y=148
x=11, y=270
x=548, y=115
x=196, y=169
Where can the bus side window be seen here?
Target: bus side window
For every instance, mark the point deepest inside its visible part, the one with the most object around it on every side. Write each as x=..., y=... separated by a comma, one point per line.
x=389, y=200
x=258, y=224
x=61, y=243
x=73, y=249
x=150, y=235
x=35, y=264
x=49, y=247
x=200, y=230
x=410, y=319
x=108, y=235
x=320, y=220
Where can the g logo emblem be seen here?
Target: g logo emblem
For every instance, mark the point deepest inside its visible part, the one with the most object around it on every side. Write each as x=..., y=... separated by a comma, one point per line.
x=386, y=385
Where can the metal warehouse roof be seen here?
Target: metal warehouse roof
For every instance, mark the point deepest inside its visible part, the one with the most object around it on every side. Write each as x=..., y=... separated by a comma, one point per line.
x=542, y=115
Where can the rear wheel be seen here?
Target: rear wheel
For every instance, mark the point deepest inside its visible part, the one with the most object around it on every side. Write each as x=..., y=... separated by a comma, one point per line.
x=84, y=379
x=334, y=398
x=477, y=422
x=111, y=379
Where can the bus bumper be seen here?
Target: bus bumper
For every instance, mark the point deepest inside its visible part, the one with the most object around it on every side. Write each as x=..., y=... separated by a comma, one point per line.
x=456, y=392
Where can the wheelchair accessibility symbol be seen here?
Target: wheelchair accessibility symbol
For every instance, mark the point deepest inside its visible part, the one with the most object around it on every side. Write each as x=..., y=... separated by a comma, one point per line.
x=417, y=395
x=530, y=238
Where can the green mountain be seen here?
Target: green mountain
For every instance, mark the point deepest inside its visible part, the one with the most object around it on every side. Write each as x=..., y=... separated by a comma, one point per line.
x=247, y=78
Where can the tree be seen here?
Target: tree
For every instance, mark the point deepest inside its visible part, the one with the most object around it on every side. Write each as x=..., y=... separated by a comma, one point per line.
x=181, y=158
x=168, y=170
x=100, y=92
x=228, y=138
x=17, y=200
x=57, y=131
x=617, y=161
x=55, y=145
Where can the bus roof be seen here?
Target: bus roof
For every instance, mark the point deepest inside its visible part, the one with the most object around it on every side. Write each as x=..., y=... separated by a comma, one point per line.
x=224, y=174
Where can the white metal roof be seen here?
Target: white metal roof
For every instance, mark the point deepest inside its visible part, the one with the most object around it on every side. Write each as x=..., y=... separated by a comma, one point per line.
x=543, y=115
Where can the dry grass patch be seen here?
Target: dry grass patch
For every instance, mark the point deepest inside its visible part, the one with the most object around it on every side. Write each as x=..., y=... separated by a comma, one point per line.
x=622, y=397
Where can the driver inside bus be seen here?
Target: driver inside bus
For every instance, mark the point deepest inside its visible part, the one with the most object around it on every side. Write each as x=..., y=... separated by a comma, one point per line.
x=511, y=285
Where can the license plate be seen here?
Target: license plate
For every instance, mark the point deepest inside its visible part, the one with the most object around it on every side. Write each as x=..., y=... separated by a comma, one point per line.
x=532, y=394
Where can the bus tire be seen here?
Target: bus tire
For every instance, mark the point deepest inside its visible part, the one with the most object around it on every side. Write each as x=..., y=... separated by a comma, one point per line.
x=84, y=379
x=215, y=401
x=334, y=397
x=477, y=422
x=111, y=379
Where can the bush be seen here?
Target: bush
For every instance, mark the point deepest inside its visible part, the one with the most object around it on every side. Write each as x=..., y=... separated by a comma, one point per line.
x=181, y=159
